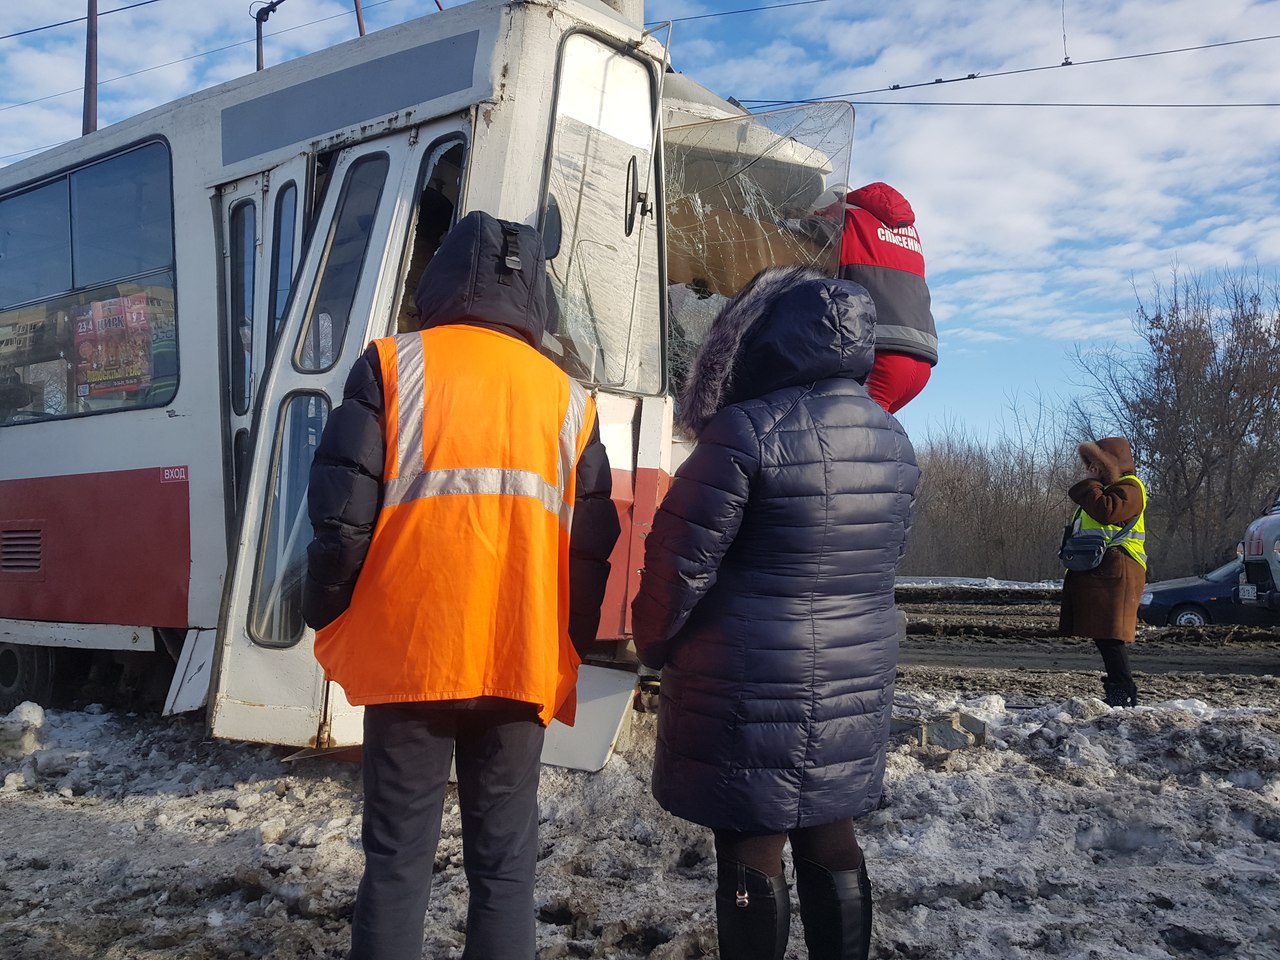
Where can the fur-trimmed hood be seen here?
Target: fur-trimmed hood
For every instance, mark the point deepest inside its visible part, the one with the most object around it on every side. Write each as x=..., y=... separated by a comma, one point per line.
x=788, y=326
x=1113, y=456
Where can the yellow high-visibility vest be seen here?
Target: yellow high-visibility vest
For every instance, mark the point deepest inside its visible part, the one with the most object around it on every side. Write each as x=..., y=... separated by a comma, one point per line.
x=1134, y=540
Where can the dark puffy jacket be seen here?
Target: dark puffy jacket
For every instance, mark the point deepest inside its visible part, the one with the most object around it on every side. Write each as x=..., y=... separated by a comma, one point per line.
x=767, y=594
x=465, y=282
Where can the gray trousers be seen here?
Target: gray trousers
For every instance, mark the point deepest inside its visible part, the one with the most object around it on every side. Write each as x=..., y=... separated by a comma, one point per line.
x=407, y=752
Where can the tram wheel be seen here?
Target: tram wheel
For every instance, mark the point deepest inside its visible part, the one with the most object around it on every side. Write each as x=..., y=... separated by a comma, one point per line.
x=26, y=673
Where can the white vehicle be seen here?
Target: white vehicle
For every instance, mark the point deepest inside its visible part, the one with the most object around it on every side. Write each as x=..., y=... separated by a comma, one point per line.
x=1260, y=551
x=183, y=293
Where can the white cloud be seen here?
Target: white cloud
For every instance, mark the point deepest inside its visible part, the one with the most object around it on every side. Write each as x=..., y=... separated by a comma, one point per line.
x=1039, y=222
x=148, y=56
x=979, y=336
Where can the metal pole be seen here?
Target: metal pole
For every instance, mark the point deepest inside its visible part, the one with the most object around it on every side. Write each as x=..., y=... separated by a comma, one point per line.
x=260, y=16
x=359, y=18
x=91, y=70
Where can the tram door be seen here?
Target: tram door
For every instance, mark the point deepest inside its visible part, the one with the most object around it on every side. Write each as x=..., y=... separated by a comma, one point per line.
x=267, y=685
x=262, y=230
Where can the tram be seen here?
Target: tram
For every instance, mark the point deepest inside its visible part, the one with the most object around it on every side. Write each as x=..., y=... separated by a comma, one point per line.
x=182, y=294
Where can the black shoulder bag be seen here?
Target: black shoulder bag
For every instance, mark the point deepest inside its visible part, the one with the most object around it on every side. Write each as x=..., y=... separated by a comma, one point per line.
x=1084, y=549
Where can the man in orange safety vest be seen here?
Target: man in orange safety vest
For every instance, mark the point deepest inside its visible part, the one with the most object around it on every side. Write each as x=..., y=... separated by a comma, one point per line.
x=460, y=498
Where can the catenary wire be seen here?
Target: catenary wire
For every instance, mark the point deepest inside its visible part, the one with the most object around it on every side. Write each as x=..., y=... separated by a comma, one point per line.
x=1011, y=103
x=1009, y=73
x=765, y=104
x=194, y=56
x=63, y=23
x=158, y=66
x=756, y=102
x=730, y=13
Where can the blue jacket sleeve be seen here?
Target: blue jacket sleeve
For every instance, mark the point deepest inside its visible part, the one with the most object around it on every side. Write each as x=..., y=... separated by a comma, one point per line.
x=344, y=496
x=694, y=527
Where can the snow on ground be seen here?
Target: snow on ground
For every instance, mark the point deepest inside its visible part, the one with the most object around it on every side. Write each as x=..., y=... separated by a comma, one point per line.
x=977, y=583
x=1077, y=831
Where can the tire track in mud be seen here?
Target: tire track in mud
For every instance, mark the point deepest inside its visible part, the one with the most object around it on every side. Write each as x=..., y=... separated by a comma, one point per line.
x=1006, y=629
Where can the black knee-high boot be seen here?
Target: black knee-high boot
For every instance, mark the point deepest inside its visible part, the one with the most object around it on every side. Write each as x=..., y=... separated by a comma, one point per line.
x=753, y=913
x=835, y=907
x=1122, y=694
x=1118, y=688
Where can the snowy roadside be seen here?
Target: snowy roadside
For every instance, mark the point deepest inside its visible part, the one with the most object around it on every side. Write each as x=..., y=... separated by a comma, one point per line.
x=975, y=583
x=1076, y=832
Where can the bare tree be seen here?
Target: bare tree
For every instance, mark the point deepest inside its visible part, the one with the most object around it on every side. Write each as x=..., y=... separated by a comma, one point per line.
x=995, y=508
x=1198, y=397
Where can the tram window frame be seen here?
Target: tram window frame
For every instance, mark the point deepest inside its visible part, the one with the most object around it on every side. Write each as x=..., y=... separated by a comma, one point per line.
x=319, y=345
x=35, y=219
x=439, y=193
x=275, y=599
x=104, y=339
x=242, y=243
x=592, y=154
x=283, y=249
x=113, y=218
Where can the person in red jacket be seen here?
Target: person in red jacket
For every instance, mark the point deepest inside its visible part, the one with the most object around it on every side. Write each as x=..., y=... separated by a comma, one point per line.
x=881, y=250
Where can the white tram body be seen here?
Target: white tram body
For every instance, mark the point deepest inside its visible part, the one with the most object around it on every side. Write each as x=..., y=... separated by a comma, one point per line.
x=183, y=293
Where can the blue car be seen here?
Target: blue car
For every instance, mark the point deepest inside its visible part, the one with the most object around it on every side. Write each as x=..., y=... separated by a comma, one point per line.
x=1196, y=601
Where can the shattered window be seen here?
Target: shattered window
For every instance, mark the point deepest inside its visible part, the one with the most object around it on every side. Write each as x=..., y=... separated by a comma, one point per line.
x=743, y=194
x=602, y=248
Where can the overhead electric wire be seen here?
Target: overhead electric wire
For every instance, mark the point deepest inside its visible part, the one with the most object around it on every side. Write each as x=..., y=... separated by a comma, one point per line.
x=756, y=103
x=23, y=153
x=730, y=13
x=1007, y=73
x=159, y=66
x=1010, y=103
x=125, y=76
x=63, y=23
x=194, y=56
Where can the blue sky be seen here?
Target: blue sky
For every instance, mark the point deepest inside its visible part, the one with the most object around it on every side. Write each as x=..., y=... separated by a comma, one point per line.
x=1041, y=224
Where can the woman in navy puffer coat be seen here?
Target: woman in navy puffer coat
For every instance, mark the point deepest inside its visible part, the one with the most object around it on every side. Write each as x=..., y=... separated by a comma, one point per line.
x=767, y=600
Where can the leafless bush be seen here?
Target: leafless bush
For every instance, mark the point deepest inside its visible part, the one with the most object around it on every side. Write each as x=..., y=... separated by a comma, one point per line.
x=994, y=508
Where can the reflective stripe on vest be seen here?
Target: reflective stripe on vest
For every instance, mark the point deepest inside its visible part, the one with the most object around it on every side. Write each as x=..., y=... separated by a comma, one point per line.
x=464, y=590
x=1133, y=541
x=908, y=337
x=406, y=478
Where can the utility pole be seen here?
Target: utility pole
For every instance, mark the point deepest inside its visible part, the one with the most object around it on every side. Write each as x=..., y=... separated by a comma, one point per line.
x=91, y=70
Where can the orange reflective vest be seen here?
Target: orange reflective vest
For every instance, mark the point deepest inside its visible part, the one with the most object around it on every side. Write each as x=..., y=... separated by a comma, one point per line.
x=465, y=589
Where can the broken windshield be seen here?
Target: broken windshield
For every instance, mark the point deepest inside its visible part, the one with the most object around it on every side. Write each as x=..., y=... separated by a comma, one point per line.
x=742, y=194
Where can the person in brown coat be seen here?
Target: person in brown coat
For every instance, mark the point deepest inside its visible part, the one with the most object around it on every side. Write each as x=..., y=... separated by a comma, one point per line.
x=1102, y=603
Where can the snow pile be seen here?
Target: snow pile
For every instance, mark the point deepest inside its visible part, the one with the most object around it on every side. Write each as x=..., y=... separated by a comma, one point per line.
x=1085, y=831
x=1077, y=831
